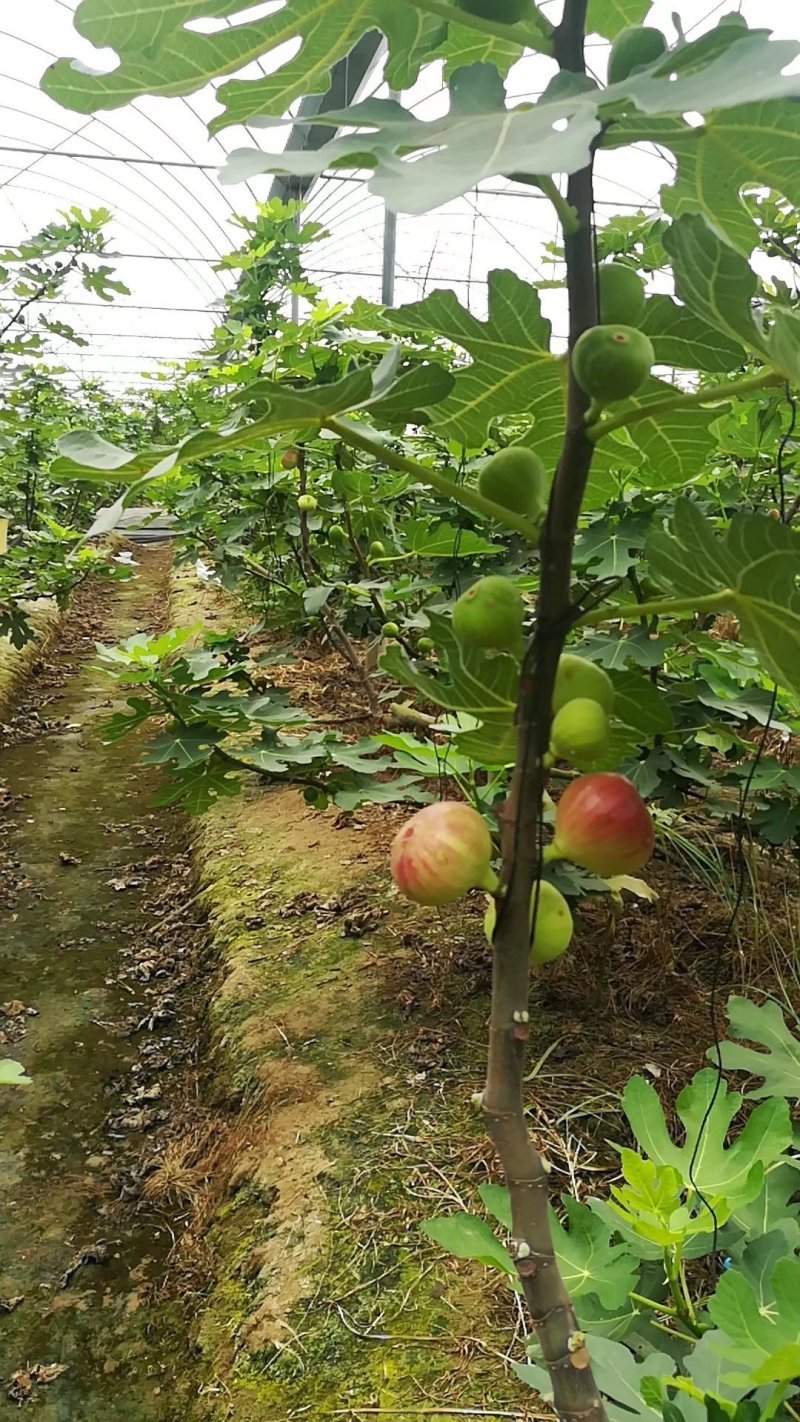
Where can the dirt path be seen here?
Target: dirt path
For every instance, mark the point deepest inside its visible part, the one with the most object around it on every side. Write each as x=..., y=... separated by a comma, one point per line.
x=89, y=876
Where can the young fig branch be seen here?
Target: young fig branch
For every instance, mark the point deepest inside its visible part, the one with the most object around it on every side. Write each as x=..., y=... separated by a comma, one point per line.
x=575, y=1394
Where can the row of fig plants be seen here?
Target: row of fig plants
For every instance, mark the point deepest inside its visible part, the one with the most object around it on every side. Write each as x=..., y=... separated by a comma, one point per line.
x=42, y=518
x=599, y=416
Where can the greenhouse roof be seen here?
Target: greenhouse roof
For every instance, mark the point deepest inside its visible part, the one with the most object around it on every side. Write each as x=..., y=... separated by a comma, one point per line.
x=154, y=166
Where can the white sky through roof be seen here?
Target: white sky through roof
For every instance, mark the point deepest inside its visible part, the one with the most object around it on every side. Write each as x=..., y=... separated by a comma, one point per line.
x=172, y=219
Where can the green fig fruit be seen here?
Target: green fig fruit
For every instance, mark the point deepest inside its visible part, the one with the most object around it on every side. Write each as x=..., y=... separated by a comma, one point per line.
x=306, y=503
x=390, y=629
x=622, y=299
x=426, y=644
x=490, y=614
x=578, y=677
x=377, y=550
x=515, y=477
x=554, y=925
x=634, y=48
x=337, y=534
x=505, y=12
x=612, y=362
x=579, y=732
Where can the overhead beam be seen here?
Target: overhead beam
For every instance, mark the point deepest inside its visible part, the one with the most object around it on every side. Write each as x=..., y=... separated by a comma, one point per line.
x=346, y=79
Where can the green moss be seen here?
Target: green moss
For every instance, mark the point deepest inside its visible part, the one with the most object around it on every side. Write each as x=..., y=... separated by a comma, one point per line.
x=17, y=663
x=318, y=1253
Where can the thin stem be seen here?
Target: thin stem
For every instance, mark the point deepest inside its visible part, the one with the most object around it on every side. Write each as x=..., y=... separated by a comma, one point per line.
x=710, y=395
x=360, y=438
x=575, y=1393
x=630, y=612
x=665, y=1308
x=537, y=32
x=567, y=214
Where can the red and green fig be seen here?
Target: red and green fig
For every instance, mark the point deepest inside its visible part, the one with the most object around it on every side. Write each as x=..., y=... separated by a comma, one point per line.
x=579, y=732
x=602, y=824
x=490, y=615
x=633, y=49
x=441, y=852
x=554, y=926
x=622, y=298
x=289, y=458
x=578, y=677
x=612, y=362
x=515, y=477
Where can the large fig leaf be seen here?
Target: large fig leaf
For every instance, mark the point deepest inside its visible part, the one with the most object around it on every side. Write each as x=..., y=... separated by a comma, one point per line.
x=704, y=1161
x=158, y=54
x=754, y=569
x=755, y=145
x=418, y=164
x=758, y=1317
x=779, y=1064
x=512, y=370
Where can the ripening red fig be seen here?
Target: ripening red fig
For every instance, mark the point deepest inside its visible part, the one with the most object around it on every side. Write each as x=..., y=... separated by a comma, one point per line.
x=289, y=458
x=603, y=824
x=441, y=852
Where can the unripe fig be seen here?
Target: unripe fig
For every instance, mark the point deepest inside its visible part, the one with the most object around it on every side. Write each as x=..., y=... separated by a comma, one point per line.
x=337, y=534
x=622, y=297
x=426, y=644
x=603, y=824
x=441, y=852
x=579, y=732
x=289, y=458
x=377, y=550
x=635, y=48
x=576, y=676
x=516, y=478
x=390, y=629
x=490, y=614
x=306, y=503
x=554, y=926
x=505, y=12
x=612, y=362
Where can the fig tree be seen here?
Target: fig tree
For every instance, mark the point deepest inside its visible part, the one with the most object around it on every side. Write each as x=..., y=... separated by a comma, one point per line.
x=578, y=677
x=505, y=12
x=622, y=297
x=603, y=824
x=515, y=477
x=579, y=732
x=441, y=852
x=612, y=362
x=490, y=614
x=634, y=48
x=306, y=503
x=554, y=926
